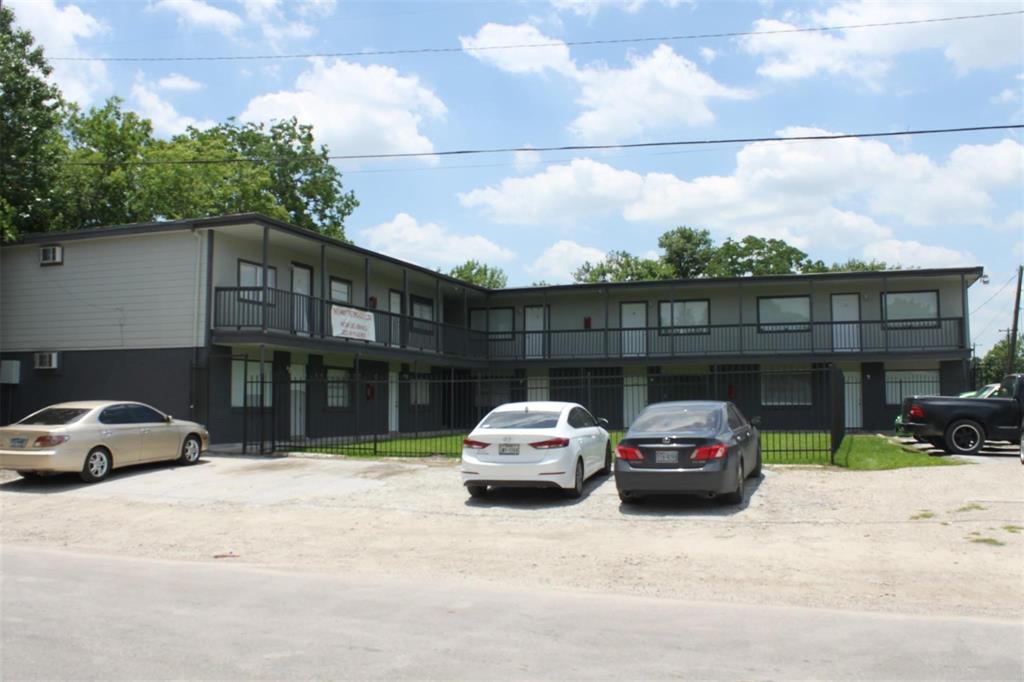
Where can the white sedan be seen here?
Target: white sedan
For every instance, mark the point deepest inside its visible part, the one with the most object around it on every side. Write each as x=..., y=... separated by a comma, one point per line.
x=535, y=444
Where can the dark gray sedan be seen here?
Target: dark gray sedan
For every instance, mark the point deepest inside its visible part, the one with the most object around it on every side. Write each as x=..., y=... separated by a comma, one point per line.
x=700, y=447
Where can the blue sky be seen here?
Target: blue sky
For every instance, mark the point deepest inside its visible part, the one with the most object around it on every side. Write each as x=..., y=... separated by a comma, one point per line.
x=924, y=201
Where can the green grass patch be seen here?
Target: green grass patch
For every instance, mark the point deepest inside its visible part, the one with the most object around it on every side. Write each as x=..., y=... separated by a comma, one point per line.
x=1010, y=528
x=923, y=514
x=865, y=452
x=973, y=506
x=981, y=540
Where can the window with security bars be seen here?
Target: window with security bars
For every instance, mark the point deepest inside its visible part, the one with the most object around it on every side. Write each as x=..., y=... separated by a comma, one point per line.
x=339, y=388
x=245, y=377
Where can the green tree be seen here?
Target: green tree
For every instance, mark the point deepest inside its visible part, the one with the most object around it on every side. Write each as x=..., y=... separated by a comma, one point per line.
x=30, y=140
x=992, y=367
x=756, y=256
x=621, y=266
x=858, y=265
x=478, y=273
x=688, y=251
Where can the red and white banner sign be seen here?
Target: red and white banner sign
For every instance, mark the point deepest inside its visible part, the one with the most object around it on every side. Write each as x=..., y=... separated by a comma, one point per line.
x=352, y=323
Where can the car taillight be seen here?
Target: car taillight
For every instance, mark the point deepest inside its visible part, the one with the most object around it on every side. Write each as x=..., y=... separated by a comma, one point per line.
x=49, y=441
x=916, y=412
x=706, y=452
x=627, y=453
x=550, y=443
x=474, y=444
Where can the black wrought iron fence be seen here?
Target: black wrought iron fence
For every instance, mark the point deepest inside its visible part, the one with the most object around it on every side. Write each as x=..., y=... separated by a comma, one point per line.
x=800, y=412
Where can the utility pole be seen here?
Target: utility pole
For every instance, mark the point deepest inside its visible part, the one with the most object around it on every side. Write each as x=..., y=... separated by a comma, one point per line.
x=1016, y=316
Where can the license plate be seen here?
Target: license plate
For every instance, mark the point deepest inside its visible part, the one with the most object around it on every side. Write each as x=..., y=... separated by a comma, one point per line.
x=508, y=448
x=666, y=457
x=19, y=442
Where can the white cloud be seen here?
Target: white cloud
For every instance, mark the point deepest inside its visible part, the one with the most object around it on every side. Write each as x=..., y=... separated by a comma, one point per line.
x=659, y=90
x=914, y=253
x=354, y=108
x=590, y=8
x=559, y=194
x=1006, y=96
x=178, y=82
x=846, y=192
x=867, y=54
x=515, y=60
x=430, y=244
x=60, y=32
x=557, y=262
x=274, y=26
x=166, y=119
x=526, y=160
x=707, y=54
x=316, y=8
x=202, y=15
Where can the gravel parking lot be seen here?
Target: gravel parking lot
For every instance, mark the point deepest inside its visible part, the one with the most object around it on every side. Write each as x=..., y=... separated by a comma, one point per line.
x=937, y=540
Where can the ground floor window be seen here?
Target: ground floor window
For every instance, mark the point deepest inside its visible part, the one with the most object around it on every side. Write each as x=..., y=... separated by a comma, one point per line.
x=419, y=392
x=339, y=388
x=900, y=384
x=245, y=378
x=785, y=389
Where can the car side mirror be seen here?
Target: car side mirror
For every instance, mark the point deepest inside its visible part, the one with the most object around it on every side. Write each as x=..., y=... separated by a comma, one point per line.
x=756, y=421
x=603, y=422
x=168, y=418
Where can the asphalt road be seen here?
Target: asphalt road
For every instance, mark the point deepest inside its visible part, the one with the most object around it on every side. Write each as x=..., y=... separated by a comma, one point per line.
x=74, y=616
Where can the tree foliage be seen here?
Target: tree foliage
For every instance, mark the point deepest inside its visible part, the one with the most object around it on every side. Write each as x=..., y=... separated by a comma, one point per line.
x=478, y=273
x=992, y=367
x=65, y=169
x=691, y=253
x=30, y=120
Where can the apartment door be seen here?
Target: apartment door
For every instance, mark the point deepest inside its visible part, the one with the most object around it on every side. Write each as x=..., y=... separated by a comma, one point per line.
x=393, y=402
x=534, y=327
x=634, y=333
x=395, y=308
x=302, y=288
x=854, y=400
x=297, y=399
x=846, y=322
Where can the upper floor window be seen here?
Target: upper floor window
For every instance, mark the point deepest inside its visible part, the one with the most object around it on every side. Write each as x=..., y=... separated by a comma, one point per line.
x=341, y=290
x=684, y=317
x=500, y=322
x=784, y=313
x=904, y=309
x=422, y=309
x=251, y=275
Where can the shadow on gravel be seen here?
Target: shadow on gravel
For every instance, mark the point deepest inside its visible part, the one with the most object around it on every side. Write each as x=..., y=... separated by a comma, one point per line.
x=536, y=498
x=995, y=449
x=60, y=483
x=689, y=505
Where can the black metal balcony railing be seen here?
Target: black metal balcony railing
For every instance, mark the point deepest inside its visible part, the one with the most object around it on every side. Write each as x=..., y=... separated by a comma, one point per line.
x=241, y=308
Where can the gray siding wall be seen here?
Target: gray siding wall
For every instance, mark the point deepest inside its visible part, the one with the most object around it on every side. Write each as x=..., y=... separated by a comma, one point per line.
x=143, y=291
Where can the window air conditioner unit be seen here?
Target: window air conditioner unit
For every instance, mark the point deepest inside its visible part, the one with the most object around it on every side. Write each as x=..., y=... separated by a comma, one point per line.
x=51, y=255
x=46, y=360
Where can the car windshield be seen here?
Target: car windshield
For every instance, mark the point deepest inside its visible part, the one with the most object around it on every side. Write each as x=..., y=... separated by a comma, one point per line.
x=54, y=416
x=672, y=418
x=520, y=420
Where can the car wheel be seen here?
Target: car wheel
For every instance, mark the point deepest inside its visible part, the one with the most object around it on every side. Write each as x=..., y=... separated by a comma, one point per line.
x=477, y=491
x=190, y=450
x=576, y=491
x=607, y=469
x=756, y=473
x=965, y=437
x=736, y=496
x=97, y=465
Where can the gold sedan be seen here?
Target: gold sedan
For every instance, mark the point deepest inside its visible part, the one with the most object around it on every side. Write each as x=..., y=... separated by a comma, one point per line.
x=93, y=437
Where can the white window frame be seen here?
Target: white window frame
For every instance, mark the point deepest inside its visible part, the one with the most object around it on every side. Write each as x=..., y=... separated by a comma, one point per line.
x=914, y=382
x=239, y=383
x=347, y=298
x=419, y=391
x=788, y=394
x=901, y=322
x=339, y=388
x=253, y=272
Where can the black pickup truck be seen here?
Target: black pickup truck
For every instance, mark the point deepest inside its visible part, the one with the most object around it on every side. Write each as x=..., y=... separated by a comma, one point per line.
x=962, y=425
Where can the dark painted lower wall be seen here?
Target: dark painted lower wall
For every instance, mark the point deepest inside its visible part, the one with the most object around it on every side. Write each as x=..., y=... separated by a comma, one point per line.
x=161, y=377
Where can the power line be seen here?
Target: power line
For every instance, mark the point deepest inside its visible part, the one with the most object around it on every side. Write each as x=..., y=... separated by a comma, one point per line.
x=1012, y=277
x=521, y=46
x=566, y=148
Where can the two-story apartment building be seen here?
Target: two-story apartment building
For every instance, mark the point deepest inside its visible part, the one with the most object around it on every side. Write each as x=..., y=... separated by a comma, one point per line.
x=188, y=315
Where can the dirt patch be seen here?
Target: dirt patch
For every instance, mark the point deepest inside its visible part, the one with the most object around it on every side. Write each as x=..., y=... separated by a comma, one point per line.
x=805, y=536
